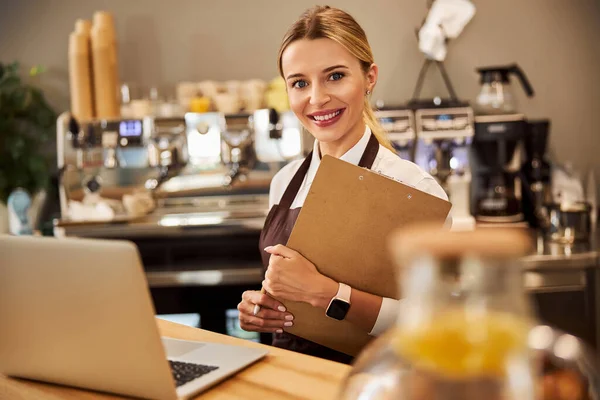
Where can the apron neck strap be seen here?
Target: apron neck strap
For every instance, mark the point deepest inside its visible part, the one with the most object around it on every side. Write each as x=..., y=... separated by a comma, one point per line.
x=368, y=157
x=292, y=190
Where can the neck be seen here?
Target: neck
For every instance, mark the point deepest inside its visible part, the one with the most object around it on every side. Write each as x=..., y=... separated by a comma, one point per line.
x=339, y=147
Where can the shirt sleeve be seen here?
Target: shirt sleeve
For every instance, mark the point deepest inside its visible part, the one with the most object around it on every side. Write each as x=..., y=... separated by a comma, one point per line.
x=430, y=185
x=387, y=316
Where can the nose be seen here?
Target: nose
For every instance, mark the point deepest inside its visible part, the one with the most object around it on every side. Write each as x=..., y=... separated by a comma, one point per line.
x=318, y=95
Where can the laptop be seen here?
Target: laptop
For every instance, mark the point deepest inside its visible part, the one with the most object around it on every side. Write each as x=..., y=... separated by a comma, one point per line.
x=78, y=312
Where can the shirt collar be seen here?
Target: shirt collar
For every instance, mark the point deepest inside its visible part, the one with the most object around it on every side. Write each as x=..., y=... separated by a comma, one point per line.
x=353, y=155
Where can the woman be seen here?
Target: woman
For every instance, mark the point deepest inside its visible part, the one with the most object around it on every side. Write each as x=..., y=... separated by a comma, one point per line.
x=328, y=67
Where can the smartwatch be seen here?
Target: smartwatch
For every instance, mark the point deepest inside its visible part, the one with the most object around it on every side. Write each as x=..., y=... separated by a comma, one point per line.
x=340, y=303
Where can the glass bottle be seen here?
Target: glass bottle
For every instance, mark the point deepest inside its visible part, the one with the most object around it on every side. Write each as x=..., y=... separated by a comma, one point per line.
x=462, y=328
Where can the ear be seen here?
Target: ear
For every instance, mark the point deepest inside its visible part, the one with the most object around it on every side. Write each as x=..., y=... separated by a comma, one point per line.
x=371, y=76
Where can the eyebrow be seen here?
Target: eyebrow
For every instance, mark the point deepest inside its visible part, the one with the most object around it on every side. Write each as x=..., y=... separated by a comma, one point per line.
x=328, y=69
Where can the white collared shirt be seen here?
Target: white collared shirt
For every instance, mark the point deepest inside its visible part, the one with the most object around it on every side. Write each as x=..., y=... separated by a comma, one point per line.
x=387, y=163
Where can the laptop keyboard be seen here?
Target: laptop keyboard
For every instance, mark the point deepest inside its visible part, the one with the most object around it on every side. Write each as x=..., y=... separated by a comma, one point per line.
x=185, y=372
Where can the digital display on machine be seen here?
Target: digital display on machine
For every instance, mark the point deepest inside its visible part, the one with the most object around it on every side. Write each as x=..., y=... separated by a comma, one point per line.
x=444, y=117
x=130, y=128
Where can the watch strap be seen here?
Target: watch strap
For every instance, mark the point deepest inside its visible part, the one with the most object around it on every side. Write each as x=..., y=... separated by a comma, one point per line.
x=344, y=292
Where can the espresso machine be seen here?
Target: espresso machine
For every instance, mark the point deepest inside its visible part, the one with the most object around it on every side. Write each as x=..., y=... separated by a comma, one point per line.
x=398, y=123
x=443, y=143
x=109, y=158
x=182, y=161
x=237, y=153
x=499, y=132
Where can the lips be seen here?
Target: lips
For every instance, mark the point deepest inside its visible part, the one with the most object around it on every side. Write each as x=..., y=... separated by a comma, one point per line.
x=326, y=117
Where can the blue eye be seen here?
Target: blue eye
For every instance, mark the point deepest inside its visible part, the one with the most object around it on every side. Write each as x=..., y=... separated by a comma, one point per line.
x=299, y=84
x=336, y=76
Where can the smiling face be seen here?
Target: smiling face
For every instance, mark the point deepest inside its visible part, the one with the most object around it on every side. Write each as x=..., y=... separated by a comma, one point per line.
x=326, y=88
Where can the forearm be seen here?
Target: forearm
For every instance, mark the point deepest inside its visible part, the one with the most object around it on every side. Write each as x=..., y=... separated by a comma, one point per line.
x=364, y=308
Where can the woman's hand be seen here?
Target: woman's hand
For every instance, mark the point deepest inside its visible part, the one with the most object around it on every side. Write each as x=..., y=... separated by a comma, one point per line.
x=290, y=276
x=272, y=316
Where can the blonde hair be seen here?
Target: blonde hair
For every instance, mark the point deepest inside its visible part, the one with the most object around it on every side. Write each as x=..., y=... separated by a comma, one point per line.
x=324, y=22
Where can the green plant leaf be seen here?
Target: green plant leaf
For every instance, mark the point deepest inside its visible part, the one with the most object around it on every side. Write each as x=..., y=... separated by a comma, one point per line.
x=27, y=122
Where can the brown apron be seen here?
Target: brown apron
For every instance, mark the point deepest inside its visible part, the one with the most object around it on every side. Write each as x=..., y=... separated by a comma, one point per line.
x=277, y=230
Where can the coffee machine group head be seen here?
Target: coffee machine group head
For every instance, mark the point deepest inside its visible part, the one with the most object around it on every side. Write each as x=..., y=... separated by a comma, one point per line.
x=167, y=148
x=243, y=143
x=237, y=150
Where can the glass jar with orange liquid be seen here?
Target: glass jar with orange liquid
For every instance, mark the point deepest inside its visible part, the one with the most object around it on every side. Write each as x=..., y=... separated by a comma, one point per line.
x=464, y=327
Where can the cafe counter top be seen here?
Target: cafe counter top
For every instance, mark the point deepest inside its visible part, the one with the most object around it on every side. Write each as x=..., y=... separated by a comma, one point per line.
x=551, y=255
x=282, y=374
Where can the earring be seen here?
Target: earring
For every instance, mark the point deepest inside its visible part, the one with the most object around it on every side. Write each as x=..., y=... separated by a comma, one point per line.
x=368, y=92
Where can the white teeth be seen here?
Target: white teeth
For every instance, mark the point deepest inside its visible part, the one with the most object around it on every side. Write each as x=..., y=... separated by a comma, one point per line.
x=326, y=117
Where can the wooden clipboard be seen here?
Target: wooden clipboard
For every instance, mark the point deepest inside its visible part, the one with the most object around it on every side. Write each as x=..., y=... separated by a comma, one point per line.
x=343, y=229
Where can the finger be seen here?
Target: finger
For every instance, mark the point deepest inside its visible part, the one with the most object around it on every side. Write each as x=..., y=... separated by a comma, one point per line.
x=263, y=300
x=275, y=258
x=268, y=324
x=281, y=250
x=264, y=313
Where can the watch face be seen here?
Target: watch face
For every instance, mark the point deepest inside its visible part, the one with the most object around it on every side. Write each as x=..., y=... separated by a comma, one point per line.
x=338, y=309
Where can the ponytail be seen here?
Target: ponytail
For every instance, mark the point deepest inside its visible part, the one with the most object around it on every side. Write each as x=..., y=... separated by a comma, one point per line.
x=375, y=126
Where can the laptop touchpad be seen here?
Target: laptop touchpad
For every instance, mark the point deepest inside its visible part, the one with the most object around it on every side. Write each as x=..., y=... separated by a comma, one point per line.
x=178, y=348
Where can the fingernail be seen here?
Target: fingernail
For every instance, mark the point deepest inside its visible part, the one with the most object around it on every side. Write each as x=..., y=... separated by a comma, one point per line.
x=268, y=248
x=279, y=331
x=288, y=324
x=281, y=308
x=289, y=317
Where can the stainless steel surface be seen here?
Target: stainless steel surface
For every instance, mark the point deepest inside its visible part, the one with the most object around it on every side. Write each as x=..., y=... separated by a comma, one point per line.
x=222, y=276
x=549, y=255
x=199, y=226
x=198, y=216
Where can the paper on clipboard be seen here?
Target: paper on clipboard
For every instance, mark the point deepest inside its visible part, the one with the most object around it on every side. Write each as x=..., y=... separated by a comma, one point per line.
x=343, y=228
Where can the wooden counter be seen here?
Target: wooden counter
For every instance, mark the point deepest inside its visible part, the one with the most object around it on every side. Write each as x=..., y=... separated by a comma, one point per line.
x=281, y=375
